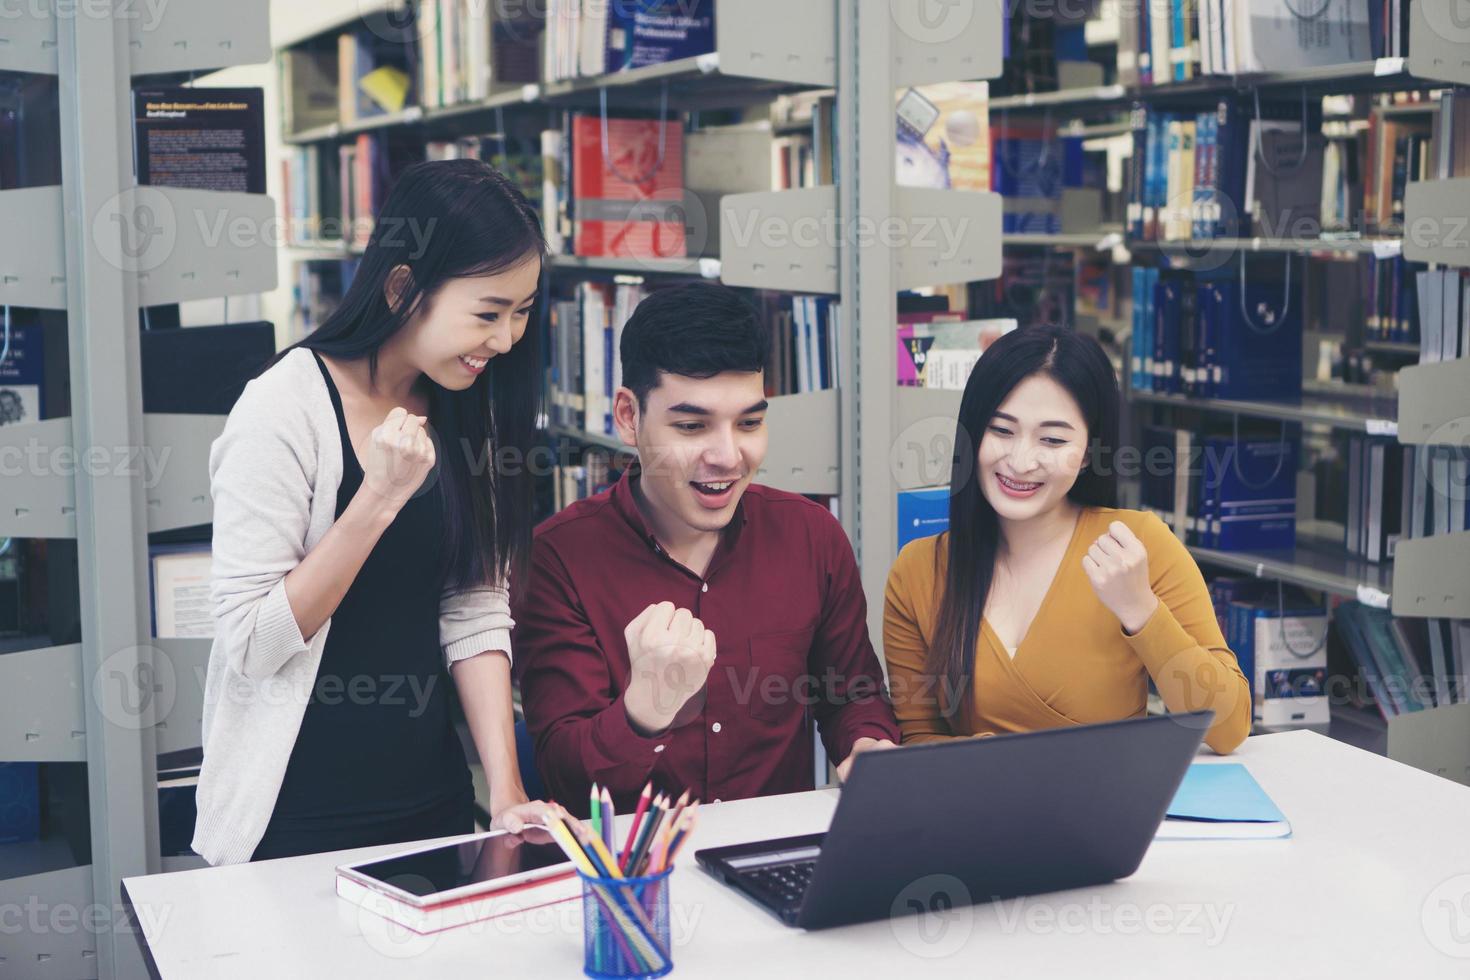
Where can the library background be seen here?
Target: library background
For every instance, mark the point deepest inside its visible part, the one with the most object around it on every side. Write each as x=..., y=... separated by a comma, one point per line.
x=1263, y=212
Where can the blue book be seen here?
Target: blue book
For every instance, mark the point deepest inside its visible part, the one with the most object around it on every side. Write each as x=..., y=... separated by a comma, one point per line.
x=1258, y=341
x=20, y=802
x=1231, y=138
x=1222, y=800
x=1253, y=488
x=922, y=514
x=653, y=32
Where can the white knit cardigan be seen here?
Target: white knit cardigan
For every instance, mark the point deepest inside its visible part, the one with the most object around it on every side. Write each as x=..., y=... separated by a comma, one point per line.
x=274, y=475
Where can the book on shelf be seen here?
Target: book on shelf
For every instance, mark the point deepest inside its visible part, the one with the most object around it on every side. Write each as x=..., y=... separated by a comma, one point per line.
x=519, y=159
x=922, y=513
x=1280, y=642
x=586, y=39
x=805, y=343
x=628, y=196
x=23, y=374
x=940, y=350
x=180, y=576
x=315, y=292
x=594, y=474
x=205, y=138
x=375, y=71
x=470, y=50
x=20, y=802
x=1202, y=335
x=943, y=132
x=1168, y=41
x=1220, y=491
x=307, y=80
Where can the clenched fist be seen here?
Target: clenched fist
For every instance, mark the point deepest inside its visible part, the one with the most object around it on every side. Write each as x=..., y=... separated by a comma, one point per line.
x=669, y=655
x=1117, y=567
x=399, y=456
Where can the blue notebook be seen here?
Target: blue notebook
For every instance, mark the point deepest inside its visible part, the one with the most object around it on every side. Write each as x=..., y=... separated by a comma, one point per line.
x=1222, y=801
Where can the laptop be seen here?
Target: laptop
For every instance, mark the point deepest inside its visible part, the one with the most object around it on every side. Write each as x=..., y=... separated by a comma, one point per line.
x=989, y=818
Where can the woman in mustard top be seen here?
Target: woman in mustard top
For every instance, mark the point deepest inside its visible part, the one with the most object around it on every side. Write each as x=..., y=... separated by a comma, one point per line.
x=1043, y=604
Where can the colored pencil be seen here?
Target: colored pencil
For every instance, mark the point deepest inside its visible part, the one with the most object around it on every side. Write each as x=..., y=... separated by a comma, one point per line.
x=656, y=810
x=609, y=818
x=594, y=810
x=643, y=799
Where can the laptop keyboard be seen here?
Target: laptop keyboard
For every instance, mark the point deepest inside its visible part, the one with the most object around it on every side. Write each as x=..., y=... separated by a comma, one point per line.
x=785, y=881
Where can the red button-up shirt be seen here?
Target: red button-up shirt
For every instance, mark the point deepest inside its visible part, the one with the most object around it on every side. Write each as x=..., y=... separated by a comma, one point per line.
x=784, y=600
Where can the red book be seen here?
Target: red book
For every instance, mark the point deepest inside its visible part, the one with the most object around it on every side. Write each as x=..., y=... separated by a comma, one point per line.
x=629, y=201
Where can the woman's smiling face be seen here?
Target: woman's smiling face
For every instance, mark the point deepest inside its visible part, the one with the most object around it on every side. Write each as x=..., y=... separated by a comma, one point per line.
x=1032, y=450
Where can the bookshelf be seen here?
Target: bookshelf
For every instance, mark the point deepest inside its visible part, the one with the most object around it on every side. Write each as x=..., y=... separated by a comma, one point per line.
x=99, y=247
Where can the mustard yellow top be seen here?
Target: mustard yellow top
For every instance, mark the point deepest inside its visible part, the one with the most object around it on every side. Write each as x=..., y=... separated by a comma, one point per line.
x=1075, y=665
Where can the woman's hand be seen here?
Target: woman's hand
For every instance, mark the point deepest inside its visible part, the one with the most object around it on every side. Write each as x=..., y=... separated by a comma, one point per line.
x=518, y=817
x=399, y=456
x=1117, y=567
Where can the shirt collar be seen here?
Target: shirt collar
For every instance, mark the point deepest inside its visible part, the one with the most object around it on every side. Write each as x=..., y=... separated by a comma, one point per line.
x=626, y=505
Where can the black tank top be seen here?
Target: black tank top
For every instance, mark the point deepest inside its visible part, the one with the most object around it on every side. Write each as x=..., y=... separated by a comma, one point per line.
x=377, y=741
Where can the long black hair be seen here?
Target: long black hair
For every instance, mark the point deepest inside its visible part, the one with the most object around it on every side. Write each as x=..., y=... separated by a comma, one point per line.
x=1077, y=363
x=448, y=219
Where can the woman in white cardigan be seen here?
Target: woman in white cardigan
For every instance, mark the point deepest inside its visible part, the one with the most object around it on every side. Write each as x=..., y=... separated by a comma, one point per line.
x=364, y=541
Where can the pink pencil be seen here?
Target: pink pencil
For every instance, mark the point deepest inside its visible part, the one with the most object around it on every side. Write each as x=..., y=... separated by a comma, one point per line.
x=643, y=799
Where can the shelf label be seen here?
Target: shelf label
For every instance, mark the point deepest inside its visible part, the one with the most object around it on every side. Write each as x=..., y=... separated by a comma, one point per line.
x=708, y=63
x=1388, y=66
x=1381, y=427
x=709, y=268
x=530, y=92
x=413, y=113
x=1388, y=249
x=1369, y=596
x=1111, y=240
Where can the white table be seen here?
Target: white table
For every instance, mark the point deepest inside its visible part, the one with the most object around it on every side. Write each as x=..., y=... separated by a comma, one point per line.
x=1375, y=882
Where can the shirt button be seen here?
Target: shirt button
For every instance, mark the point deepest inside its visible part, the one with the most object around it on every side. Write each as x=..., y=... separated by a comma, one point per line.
x=704, y=587
x=715, y=728
x=658, y=748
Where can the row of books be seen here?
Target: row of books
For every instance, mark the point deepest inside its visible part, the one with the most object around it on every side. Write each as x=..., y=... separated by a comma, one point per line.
x=1220, y=491
x=586, y=333
x=1225, y=171
x=1213, y=336
x=1443, y=297
x=1030, y=166
x=573, y=482
x=316, y=289
x=355, y=75
x=623, y=199
x=1407, y=665
x=585, y=369
x=469, y=49
x=585, y=38
x=806, y=338
x=332, y=194
x=1390, y=301
x=1279, y=638
x=1165, y=41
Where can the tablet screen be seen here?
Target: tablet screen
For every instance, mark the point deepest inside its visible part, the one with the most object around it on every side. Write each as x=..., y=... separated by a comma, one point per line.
x=471, y=862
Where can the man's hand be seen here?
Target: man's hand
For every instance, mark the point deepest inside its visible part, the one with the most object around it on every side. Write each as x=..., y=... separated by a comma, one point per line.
x=669, y=655
x=864, y=744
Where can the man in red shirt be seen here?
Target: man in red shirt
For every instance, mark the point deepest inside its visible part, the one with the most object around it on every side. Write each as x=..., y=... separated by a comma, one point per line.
x=688, y=625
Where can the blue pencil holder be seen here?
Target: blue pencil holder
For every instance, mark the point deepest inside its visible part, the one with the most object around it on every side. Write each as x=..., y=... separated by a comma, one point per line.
x=625, y=926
